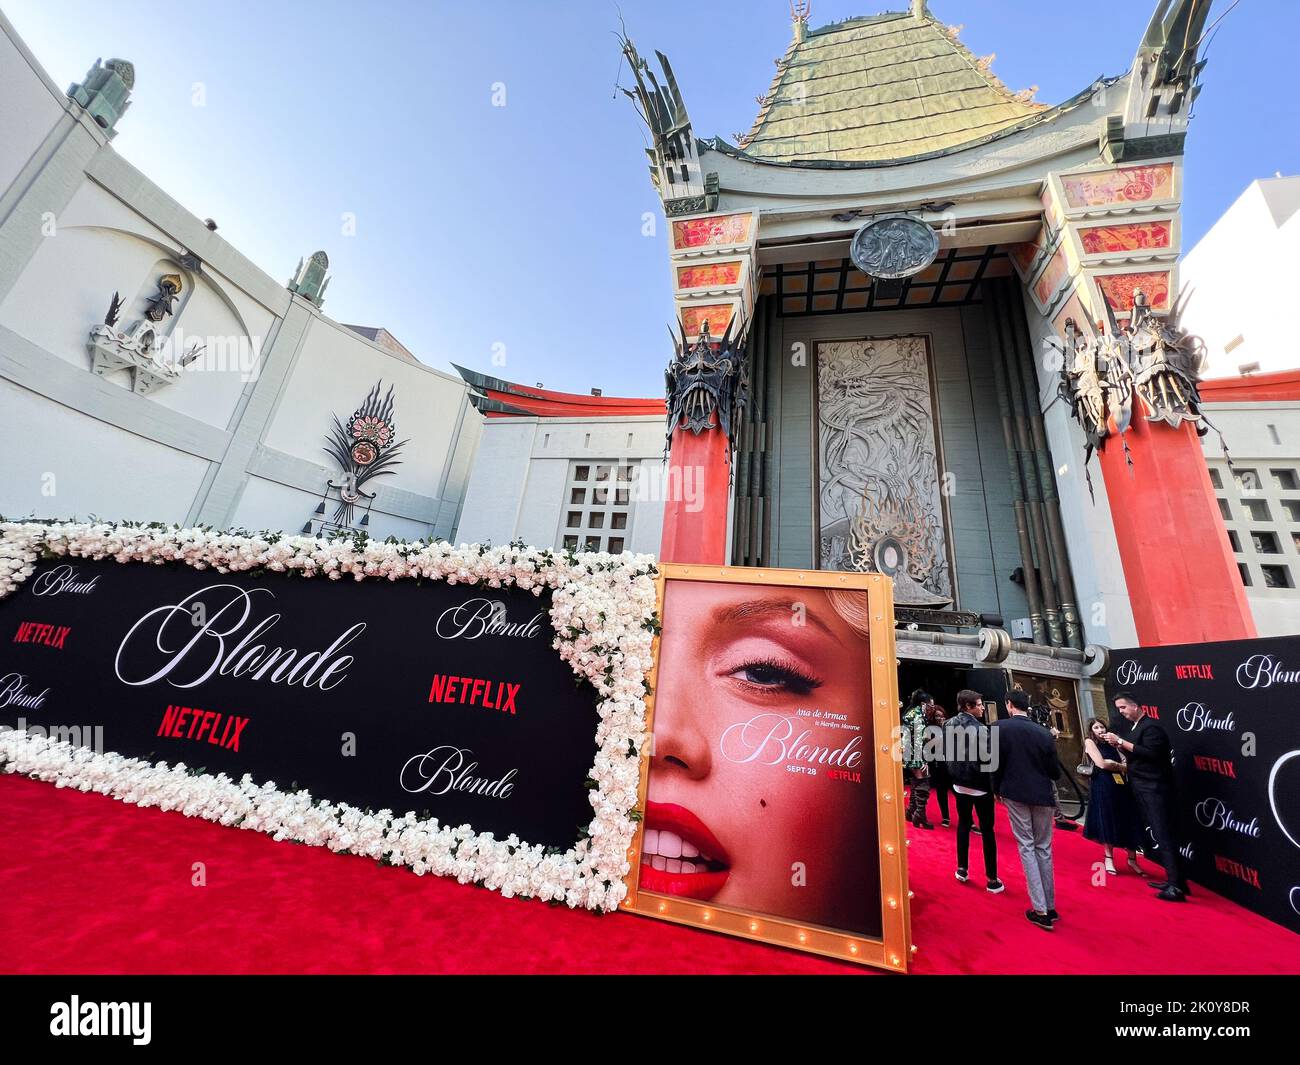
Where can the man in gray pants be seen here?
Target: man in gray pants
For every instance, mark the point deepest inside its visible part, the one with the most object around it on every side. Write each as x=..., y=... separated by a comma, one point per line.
x=1027, y=767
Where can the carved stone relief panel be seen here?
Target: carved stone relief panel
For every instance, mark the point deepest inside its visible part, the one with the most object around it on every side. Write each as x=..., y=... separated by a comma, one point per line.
x=879, y=493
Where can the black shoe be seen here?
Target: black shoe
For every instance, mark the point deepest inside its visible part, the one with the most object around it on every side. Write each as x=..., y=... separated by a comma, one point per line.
x=962, y=875
x=1041, y=919
x=996, y=887
x=1053, y=916
x=976, y=829
x=946, y=823
x=920, y=822
x=1161, y=885
x=1172, y=894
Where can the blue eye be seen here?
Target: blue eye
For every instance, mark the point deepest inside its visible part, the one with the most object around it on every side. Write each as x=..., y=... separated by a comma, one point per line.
x=778, y=677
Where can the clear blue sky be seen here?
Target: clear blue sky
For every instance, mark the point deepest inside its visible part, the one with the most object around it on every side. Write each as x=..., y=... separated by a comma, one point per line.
x=478, y=225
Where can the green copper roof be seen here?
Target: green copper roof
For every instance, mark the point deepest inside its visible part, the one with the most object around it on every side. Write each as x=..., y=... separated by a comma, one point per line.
x=886, y=87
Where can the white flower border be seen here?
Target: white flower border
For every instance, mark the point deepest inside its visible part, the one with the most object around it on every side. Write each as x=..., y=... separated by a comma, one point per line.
x=603, y=611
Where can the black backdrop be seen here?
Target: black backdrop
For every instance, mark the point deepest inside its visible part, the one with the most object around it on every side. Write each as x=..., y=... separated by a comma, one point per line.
x=296, y=729
x=1232, y=712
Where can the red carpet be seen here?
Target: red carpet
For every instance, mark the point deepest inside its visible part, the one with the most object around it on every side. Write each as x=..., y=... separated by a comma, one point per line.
x=91, y=885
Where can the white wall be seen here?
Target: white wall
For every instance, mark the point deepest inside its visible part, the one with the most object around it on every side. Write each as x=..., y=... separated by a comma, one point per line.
x=334, y=371
x=1242, y=280
x=517, y=489
x=101, y=246
x=64, y=464
x=1261, y=436
x=28, y=112
x=497, y=481
x=237, y=439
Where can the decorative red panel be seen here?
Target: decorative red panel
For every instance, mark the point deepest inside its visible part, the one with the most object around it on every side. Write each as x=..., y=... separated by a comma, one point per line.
x=715, y=275
x=1051, y=278
x=718, y=315
x=1129, y=184
x=1118, y=289
x=1129, y=236
x=715, y=230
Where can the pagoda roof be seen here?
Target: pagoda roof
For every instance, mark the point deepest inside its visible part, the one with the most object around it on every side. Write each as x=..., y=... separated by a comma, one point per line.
x=498, y=398
x=883, y=88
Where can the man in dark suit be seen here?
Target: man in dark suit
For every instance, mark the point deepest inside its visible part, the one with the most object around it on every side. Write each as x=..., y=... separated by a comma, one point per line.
x=1027, y=768
x=1149, y=754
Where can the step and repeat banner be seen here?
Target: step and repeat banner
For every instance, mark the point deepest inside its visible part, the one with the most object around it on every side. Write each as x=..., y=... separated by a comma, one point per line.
x=442, y=699
x=1232, y=713
x=749, y=785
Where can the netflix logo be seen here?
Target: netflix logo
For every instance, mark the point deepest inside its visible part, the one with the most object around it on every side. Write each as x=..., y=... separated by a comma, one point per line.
x=189, y=723
x=41, y=633
x=1195, y=672
x=1243, y=873
x=1152, y=711
x=1221, y=766
x=489, y=694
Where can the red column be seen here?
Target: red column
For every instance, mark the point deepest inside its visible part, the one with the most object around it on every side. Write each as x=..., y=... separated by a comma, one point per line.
x=696, y=499
x=1181, y=574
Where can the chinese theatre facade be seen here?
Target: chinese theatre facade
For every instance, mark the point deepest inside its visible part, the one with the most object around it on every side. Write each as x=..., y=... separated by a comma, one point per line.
x=928, y=327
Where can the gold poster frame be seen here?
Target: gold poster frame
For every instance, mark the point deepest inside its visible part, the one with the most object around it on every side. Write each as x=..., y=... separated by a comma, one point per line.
x=894, y=949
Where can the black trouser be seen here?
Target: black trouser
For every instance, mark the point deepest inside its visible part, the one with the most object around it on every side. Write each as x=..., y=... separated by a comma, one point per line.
x=982, y=807
x=1155, y=803
x=941, y=785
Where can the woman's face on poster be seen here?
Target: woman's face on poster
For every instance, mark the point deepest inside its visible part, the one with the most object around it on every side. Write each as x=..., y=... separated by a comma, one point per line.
x=761, y=790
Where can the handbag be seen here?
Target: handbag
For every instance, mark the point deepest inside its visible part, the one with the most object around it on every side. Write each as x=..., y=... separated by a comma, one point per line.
x=1084, y=769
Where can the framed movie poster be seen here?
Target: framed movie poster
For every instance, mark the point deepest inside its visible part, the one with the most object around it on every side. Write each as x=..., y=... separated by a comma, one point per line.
x=771, y=794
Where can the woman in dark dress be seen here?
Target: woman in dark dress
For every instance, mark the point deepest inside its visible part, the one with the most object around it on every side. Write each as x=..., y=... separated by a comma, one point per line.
x=940, y=782
x=1112, y=819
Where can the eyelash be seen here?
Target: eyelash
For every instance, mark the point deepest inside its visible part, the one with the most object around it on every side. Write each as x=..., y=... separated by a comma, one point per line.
x=788, y=677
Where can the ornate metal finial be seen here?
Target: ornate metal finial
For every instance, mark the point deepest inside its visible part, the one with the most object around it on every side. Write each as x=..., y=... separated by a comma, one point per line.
x=800, y=12
x=707, y=384
x=1151, y=359
x=310, y=280
x=106, y=92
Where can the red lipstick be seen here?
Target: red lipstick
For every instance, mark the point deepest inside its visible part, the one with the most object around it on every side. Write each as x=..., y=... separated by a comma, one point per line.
x=680, y=855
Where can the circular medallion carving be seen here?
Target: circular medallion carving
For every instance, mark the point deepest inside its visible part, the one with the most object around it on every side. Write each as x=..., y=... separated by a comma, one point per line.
x=894, y=246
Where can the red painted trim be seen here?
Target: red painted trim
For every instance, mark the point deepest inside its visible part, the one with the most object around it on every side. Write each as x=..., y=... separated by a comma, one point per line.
x=562, y=405
x=698, y=494
x=1256, y=388
x=1182, y=578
